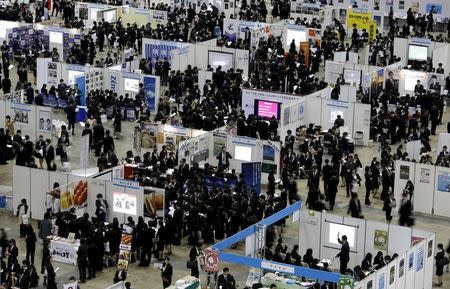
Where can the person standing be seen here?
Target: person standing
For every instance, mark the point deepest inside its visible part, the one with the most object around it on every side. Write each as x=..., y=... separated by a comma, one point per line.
x=224, y=159
x=440, y=263
x=45, y=257
x=226, y=280
x=369, y=184
x=332, y=188
x=101, y=207
x=344, y=254
x=166, y=273
x=71, y=116
x=82, y=260
x=51, y=275
x=30, y=242
x=405, y=211
x=354, y=207
x=49, y=154
x=108, y=144
x=22, y=209
x=99, y=134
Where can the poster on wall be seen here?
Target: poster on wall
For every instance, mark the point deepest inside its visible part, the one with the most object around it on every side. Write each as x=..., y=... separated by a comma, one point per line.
x=382, y=281
x=391, y=275
x=415, y=240
x=150, y=92
x=45, y=121
x=73, y=195
x=149, y=131
x=268, y=153
x=410, y=260
x=301, y=110
x=420, y=258
x=153, y=202
x=380, y=240
x=124, y=203
x=286, y=116
x=443, y=184
x=52, y=73
x=430, y=249
x=20, y=113
x=401, y=268
x=425, y=175
x=404, y=172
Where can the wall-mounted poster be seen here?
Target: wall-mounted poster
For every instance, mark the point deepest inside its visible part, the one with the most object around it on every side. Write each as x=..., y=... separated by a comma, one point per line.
x=153, y=202
x=430, y=249
x=425, y=175
x=404, y=172
x=411, y=260
x=443, y=182
x=392, y=80
x=401, y=268
x=380, y=240
x=381, y=281
x=420, y=258
x=286, y=115
x=45, y=121
x=268, y=153
x=20, y=114
x=391, y=275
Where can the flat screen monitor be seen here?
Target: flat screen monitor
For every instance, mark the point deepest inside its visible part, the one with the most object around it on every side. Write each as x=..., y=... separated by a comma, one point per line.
x=352, y=76
x=335, y=230
x=296, y=35
x=243, y=153
x=56, y=37
x=267, y=109
x=124, y=203
x=223, y=59
x=417, y=53
x=71, y=74
x=131, y=84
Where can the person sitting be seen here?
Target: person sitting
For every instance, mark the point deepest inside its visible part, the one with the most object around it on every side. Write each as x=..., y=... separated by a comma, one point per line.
x=366, y=264
x=378, y=261
x=308, y=257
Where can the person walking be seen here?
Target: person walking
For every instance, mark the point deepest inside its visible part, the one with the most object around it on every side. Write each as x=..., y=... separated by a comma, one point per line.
x=166, y=273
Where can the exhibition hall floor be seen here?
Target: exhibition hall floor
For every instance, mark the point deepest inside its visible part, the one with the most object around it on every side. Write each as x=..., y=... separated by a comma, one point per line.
x=141, y=277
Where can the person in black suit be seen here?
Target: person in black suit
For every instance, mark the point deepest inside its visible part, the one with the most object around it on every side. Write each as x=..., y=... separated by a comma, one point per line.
x=23, y=282
x=99, y=134
x=226, y=280
x=13, y=252
x=369, y=184
x=51, y=275
x=224, y=159
x=435, y=87
x=440, y=255
x=344, y=254
x=108, y=143
x=354, y=207
x=339, y=121
x=366, y=264
x=418, y=88
x=405, y=210
x=49, y=154
x=82, y=260
x=166, y=273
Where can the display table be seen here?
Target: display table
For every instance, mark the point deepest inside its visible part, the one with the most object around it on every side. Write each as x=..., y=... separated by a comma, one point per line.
x=284, y=283
x=187, y=282
x=63, y=251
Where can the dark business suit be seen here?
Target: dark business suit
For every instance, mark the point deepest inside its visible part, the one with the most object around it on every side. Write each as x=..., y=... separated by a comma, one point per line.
x=49, y=155
x=224, y=160
x=166, y=275
x=344, y=255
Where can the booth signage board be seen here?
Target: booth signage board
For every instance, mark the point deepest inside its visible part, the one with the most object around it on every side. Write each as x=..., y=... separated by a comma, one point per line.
x=362, y=20
x=277, y=267
x=63, y=252
x=211, y=260
x=252, y=176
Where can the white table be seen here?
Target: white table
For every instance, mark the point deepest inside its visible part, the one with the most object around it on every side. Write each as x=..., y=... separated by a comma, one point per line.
x=64, y=252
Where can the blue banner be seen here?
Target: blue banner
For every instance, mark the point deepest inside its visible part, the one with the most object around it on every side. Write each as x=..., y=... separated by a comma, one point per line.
x=81, y=83
x=252, y=176
x=150, y=92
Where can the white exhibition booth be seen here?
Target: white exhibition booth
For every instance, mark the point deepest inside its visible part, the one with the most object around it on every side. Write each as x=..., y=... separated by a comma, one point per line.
x=431, y=186
x=206, y=147
x=118, y=81
x=412, y=269
x=317, y=108
x=32, y=120
x=208, y=53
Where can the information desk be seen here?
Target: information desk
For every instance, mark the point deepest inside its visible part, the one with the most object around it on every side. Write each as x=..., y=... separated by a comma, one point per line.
x=63, y=251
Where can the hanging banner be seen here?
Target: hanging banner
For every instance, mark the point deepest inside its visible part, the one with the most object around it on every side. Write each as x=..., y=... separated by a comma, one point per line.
x=84, y=152
x=252, y=176
x=80, y=81
x=230, y=29
x=150, y=92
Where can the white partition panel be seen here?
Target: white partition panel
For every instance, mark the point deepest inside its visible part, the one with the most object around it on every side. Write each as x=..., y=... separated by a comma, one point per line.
x=360, y=284
x=442, y=192
x=74, y=178
x=399, y=239
x=21, y=185
x=410, y=268
x=429, y=262
x=424, y=188
x=404, y=171
x=401, y=271
x=309, y=231
x=357, y=255
x=313, y=110
x=381, y=281
x=391, y=276
x=94, y=187
x=361, y=121
x=39, y=187
x=370, y=281
x=376, y=230
x=57, y=177
x=420, y=265
x=2, y=110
